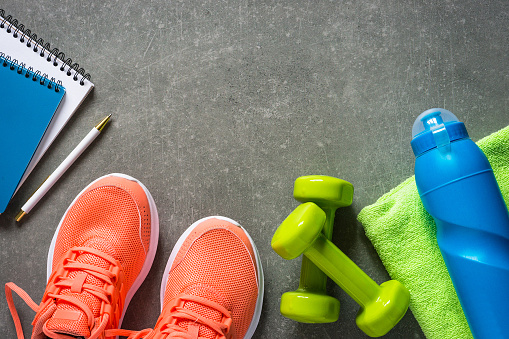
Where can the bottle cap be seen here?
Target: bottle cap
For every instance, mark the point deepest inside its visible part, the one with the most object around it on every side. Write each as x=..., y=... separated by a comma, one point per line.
x=436, y=127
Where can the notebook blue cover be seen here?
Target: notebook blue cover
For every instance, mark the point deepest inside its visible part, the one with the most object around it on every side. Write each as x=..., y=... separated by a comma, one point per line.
x=28, y=101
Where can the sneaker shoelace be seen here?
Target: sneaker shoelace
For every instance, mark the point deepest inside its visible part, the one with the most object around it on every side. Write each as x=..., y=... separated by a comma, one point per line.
x=167, y=327
x=60, y=280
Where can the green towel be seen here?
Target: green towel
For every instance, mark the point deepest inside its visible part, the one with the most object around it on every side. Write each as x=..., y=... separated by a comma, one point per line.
x=404, y=235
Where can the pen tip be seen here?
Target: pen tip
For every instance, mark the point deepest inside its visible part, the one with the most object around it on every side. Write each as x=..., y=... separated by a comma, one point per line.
x=20, y=215
x=103, y=123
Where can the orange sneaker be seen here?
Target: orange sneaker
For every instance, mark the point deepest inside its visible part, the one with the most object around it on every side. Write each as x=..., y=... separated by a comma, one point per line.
x=212, y=285
x=100, y=254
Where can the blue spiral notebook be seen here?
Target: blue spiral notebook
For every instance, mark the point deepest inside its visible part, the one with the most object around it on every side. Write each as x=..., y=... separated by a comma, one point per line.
x=28, y=101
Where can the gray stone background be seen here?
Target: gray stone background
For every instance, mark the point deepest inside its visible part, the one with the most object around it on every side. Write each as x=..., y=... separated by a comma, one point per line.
x=218, y=106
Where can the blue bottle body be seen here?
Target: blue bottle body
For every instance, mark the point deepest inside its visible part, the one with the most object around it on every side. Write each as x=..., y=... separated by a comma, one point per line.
x=458, y=188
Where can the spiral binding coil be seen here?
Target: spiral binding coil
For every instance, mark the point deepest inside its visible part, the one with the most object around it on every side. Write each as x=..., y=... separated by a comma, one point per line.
x=20, y=68
x=18, y=30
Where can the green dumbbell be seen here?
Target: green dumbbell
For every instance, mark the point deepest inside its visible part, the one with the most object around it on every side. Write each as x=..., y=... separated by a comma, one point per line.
x=310, y=303
x=382, y=307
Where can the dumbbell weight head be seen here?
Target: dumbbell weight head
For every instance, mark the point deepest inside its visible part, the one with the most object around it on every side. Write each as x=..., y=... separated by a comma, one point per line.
x=325, y=191
x=381, y=315
x=309, y=307
x=298, y=231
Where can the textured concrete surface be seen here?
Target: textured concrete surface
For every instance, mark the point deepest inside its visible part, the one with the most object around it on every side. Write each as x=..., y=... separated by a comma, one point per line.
x=219, y=105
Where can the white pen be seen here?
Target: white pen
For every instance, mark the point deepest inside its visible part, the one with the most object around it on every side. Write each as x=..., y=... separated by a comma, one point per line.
x=60, y=170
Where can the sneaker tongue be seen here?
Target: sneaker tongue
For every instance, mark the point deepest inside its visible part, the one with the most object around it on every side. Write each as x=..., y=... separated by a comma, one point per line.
x=69, y=319
x=205, y=311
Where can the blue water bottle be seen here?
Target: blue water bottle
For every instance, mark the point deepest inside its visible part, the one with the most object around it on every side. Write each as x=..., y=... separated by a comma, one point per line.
x=458, y=188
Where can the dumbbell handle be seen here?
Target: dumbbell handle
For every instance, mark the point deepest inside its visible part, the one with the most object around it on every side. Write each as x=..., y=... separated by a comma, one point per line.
x=343, y=271
x=311, y=277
